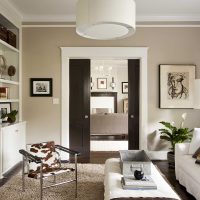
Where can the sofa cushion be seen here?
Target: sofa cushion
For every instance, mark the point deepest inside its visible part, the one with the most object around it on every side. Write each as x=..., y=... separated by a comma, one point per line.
x=187, y=163
x=196, y=153
x=194, y=145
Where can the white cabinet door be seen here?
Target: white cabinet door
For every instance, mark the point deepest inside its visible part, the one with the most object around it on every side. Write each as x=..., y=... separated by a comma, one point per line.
x=13, y=139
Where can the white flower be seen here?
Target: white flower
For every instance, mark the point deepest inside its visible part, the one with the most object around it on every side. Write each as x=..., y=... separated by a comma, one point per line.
x=184, y=115
x=172, y=123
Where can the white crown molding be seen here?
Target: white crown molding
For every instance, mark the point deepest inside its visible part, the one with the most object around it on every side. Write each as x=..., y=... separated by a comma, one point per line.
x=138, y=26
x=140, y=18
x=10, y=12
x=162, y=18
x=49, y=18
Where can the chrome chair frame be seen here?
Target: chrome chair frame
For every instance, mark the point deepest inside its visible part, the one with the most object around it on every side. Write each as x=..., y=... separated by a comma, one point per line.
x=26, y=157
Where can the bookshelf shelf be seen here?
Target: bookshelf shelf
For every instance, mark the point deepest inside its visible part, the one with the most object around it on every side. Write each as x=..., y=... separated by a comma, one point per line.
x=9, y=100
x=9, y=82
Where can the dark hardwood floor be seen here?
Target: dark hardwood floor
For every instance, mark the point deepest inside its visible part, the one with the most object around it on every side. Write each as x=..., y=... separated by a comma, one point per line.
x=101, y=157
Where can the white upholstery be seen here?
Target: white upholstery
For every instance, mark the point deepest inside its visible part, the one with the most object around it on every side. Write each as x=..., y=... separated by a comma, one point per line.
x=113, y=188
x=187, y=172
x=195, y=143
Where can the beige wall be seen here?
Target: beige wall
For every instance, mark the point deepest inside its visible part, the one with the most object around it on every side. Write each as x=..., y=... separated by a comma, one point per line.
x=41, y=58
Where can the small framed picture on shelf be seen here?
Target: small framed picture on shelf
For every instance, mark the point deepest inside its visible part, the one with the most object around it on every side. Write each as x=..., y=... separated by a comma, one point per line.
x=4, y=109
x=41, y=87
x=101, y=83
x=4, y=92
x=124, y=87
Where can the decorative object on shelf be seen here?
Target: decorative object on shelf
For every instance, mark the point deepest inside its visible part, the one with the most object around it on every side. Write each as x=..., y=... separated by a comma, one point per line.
x=113, y=84
x=177, y=86
x=174, y=135
x=3, y=65
x=4, y=92
x=11, y=71
x=11, y=38
x=101, y=83
x=91, y=83
x=3, y=33
x=41, y=87
x=105, y=20
x=4, y=109
x=11, y=117
x=124, y=87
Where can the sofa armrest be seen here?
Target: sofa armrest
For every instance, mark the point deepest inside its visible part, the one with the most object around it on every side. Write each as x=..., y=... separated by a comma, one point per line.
x=182, y=149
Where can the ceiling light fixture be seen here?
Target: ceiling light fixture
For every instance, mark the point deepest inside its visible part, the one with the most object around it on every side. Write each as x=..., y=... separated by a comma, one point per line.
x=105, y=19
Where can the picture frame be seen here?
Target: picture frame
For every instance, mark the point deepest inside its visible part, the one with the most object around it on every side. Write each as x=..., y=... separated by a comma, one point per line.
x=124, y=87
x=41, y=87
x=176, y=86
x=5, y=108
x=101, y=83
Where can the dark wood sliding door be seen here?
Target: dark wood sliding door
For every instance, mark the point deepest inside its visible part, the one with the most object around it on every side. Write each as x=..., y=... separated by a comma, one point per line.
x=133, y=99
x=79, y=107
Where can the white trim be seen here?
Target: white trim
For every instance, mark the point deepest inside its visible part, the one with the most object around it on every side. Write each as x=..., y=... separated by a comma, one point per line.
x=48, y=26
x=139, y=26
x=104, y=53
x=164, y=18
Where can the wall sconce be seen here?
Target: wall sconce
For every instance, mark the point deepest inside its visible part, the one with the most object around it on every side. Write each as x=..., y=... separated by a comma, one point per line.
x=91, y=83
x=113, y=84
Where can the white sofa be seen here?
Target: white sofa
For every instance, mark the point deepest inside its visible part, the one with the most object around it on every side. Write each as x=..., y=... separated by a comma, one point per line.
x=187, y=172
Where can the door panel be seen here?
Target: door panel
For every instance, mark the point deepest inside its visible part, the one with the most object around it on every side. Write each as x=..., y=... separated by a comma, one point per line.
x=79, y=111
x=133, y=105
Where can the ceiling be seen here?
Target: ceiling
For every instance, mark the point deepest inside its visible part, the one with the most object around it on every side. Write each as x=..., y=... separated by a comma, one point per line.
x=146, y=10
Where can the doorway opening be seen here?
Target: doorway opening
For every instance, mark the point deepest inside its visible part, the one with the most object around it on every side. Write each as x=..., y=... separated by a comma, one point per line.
x=109, y=105
x=138, y=53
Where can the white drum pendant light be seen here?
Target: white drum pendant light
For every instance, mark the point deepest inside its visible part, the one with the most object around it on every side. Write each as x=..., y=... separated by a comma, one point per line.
x=105, y=19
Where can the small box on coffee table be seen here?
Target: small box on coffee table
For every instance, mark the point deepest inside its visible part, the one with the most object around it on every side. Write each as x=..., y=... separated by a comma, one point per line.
x=132, y=160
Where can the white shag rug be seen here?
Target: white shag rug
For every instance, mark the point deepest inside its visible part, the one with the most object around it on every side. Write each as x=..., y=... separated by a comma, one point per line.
x=90, y=186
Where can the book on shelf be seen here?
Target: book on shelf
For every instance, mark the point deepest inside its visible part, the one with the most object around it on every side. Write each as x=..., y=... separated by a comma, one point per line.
x=4, y=92
x=146, y=183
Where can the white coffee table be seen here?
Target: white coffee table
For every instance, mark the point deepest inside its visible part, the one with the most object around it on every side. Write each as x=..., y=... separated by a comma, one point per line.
x=113, y=188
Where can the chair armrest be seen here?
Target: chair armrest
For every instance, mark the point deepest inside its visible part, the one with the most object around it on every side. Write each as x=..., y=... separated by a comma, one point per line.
x=182, y=149
x=70, y=151
x=30, y=156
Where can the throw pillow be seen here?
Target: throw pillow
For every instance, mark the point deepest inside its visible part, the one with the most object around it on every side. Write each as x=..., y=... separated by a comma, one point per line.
x=194, y=145
x=196, y=153
x=198, y=159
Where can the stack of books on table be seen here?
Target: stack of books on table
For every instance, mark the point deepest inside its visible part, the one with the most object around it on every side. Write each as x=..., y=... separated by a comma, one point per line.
x=146, y=183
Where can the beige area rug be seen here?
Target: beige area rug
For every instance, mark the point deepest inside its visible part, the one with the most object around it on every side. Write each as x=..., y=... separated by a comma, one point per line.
x=90, y=186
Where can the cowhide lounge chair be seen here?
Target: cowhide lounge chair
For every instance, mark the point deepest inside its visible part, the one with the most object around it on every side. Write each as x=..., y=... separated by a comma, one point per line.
x=43, y=160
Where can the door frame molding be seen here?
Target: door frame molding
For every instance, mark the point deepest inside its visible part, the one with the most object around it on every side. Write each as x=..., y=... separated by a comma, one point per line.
x=104, y=53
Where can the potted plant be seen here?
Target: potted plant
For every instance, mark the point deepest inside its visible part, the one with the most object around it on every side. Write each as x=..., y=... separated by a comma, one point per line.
x=11, y=117
x=174, y=135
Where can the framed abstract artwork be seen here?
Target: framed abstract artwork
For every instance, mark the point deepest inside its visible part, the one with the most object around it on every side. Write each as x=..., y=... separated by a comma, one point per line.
x=176, y=86
x=41, y=87
x=101, y=83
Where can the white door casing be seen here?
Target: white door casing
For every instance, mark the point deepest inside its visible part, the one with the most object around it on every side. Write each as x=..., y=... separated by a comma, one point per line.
x=104, y=53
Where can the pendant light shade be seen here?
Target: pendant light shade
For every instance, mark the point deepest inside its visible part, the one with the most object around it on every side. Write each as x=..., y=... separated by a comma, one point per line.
x=105, y=19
